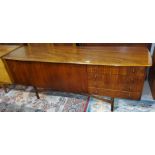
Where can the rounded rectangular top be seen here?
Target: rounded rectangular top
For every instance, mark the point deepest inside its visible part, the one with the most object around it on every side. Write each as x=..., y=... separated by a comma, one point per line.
x=98, y=55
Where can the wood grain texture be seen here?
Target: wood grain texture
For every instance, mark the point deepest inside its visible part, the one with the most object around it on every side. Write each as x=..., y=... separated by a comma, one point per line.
x=118, y=82
x=100, y=80
x=124, y=82
x=114, y=71
x=5, y=49
x=115, y=93
x=50, y=44
x=4, y=76
x=99, y=55
x=62, y=77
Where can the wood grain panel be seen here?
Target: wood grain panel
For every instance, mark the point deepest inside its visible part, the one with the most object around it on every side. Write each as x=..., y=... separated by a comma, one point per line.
x=119, y=70
x=114, y=93
x=62, y=77
x=118, y=82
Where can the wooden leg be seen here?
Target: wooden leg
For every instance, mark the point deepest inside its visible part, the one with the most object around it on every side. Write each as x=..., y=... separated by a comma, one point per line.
x=112, y=104
x=111, y=101
x=36, y=91
x=4, y=88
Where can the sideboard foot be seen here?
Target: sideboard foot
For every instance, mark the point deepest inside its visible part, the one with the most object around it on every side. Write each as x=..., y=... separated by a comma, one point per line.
x=36, y=91
x=111, y=101
x=112, y=104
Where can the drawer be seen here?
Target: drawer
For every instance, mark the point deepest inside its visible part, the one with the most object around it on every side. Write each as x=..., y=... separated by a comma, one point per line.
x=4, y=76
x=114, y=93
x=117, y=82
x=116, y=70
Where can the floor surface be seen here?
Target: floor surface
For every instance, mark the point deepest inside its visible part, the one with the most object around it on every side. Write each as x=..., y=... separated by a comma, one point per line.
x=23, y=99
x=146, y=104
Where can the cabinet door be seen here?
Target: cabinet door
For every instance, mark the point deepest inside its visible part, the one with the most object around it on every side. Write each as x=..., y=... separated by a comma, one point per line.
x=61, y=77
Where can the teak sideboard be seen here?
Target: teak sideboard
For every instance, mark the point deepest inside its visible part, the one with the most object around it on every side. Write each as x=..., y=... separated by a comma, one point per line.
x=114, y=71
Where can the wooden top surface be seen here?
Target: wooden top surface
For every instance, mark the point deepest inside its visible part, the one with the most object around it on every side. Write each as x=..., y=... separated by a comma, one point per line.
x=5, y=49
x=100, y=55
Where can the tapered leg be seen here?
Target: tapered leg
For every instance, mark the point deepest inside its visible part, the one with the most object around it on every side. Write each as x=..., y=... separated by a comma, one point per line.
x=111, y=101
x=36, y=91
x=112, y=105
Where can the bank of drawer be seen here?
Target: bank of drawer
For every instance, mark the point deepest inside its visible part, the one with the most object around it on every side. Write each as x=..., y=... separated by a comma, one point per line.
x=117, y=82
x=114, y=94
x=4, y=77
x=116, y=70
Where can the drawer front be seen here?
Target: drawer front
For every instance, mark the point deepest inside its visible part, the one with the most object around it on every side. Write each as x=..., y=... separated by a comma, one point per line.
x=114, y=93
x=116, y=82
x=116, y=70
x=4, y=76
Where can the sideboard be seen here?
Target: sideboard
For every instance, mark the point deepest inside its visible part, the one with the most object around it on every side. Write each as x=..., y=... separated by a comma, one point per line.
x=113, y=71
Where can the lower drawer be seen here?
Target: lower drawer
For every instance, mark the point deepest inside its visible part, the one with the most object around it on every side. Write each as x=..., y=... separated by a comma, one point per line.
x=117, y=82
x=114, y=93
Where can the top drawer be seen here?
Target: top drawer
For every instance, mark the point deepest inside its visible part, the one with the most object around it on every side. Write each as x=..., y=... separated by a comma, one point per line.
x=115, y=70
